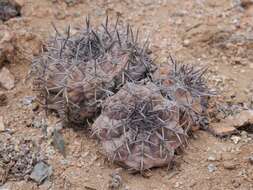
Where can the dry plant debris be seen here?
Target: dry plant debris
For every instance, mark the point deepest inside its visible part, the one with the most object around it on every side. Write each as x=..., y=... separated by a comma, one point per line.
x=17, y=159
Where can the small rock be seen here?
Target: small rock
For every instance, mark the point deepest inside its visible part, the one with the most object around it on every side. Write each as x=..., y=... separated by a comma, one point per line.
x=2, y=127
x=212, y=158
x=244, y=134
x=211, y=168
x=46, y=186
x=177, y=184
x=28, y=100
x=251, y=159
x=241, y=119
x=6, y=45
x=38, y=122
x=71, y=2
x=40, y=172
x=7, y=80
x=246, y=3
x=186, y=42
x=116, y=181
x=58, y=142
x=229, y=165
x=235, y=139
x=222, y=130
x=60, y=15
x=3, y=100
x=8, y=9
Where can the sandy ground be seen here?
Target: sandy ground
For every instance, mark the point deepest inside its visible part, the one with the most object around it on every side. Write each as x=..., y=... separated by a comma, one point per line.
x=213, y=33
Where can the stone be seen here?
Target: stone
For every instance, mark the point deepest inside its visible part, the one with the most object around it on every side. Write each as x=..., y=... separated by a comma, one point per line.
x=2, y=127
x=231, y=124
x=3, y=100
x=222, y=130
x=211, y=158
x=211, y=168
x=28, y=100
x=245, y=117
x=186, y=42
x=40, y=172
x=214, y=157
x=244, y=134
x=8, y=9
x=229, y=165
x=251, y=159
x=6, y=45
x=235, y=139
x=246, y=3
x=28, y=43
x=7, y=80
x=58, y=142
x=116, y=181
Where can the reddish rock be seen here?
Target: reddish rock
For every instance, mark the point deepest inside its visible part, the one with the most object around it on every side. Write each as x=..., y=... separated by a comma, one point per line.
x=222, y=129
x=6, y=46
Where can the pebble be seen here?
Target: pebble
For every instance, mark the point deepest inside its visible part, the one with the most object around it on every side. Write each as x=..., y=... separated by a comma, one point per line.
x=28, y=100
x=38, y=123
x=58, y=142
x=229, y=165
x=3, y=100
x=251, y=159
x=7, y=80
x=214, y=157
x=2, y=127
x=40, y=172
x=186, y=42
x=211, y=168
x=211, y=158
x=177, y=184
x=235, y=139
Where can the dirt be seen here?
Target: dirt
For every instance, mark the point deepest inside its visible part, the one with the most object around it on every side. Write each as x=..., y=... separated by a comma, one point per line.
x=214, y=33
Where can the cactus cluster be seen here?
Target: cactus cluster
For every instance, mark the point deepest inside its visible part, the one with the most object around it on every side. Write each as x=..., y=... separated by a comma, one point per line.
x=141, y=113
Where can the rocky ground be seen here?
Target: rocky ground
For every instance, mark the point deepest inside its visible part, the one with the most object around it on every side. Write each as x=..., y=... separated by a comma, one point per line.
x=217, y=34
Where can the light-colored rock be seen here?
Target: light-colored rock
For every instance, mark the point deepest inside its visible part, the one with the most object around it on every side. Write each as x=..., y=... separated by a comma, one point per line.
x=230, y=125
x=235, y=139
x=229, y=165
x=27, y=44
x=7, y=80
x=2, y=127
x=243, y=118
x=211, y=168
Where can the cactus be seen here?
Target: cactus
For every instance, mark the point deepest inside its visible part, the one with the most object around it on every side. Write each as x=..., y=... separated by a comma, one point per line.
x=141, y=116
x=139, y=128
x=144, y=125
x=78, y=72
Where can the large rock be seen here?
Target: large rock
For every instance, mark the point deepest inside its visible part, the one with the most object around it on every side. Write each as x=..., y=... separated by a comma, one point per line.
x=6, y=44
x=18, y=45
